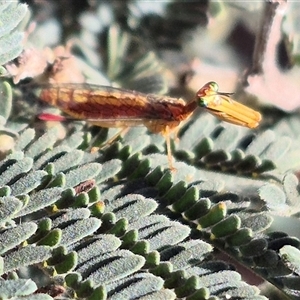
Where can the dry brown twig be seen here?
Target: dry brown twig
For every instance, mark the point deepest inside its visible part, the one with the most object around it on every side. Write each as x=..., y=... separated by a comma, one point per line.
x=265, y=79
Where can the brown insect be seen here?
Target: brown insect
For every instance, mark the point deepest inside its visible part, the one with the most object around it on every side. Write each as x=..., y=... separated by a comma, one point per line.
x=113, y=107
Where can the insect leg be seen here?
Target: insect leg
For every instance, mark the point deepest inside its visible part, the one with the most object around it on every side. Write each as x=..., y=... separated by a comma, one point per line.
x=111, y=140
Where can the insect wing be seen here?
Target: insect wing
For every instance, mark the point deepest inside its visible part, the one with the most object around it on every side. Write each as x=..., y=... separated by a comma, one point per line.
x=92, y=102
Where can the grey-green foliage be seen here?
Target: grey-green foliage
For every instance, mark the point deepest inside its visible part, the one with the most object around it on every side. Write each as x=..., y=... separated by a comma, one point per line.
x=144, y=75
x=149, y=239
x=11, y=14
x=16, y=235
x=24, y=191
x=24, y=257
x=10, y=289
x=291, y=27
x=6, y=99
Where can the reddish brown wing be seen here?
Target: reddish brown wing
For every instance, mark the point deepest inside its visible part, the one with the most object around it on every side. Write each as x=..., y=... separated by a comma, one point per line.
x=97, y=103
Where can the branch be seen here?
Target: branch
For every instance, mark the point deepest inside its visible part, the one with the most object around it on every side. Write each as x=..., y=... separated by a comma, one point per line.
x=265, y=79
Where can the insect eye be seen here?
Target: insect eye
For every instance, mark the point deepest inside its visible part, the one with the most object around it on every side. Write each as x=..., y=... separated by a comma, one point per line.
x=214, y=86
x=202, y=102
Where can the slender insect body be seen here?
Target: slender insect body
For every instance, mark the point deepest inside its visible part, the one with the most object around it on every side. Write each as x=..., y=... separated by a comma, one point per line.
x=114, y=107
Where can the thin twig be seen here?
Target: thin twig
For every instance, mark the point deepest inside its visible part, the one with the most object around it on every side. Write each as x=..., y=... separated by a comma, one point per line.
x=265, y=79
x=267, y=37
